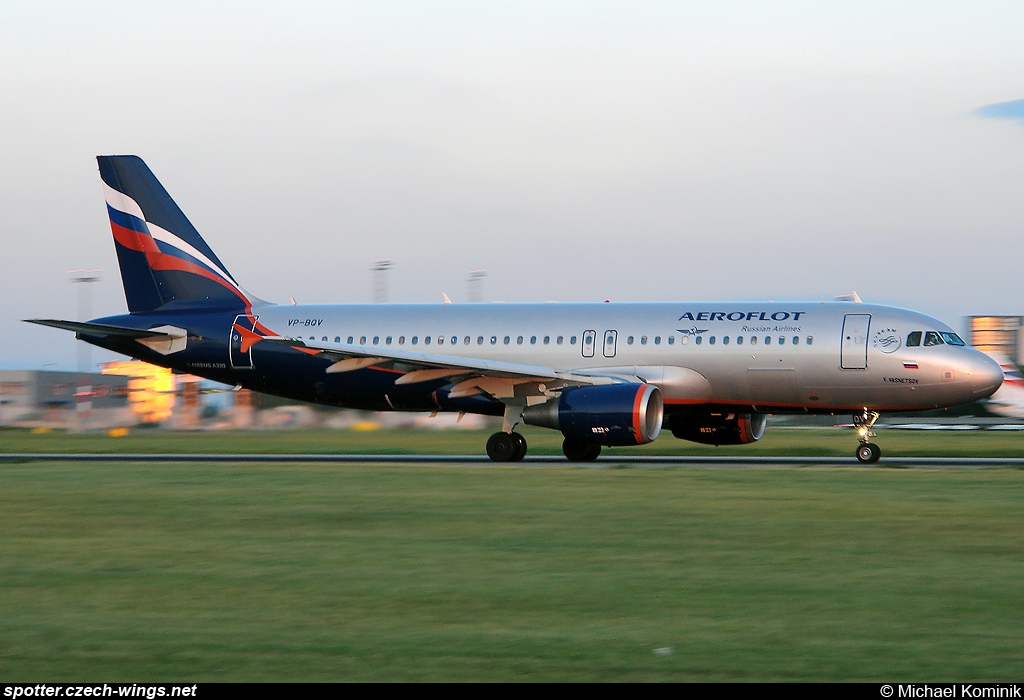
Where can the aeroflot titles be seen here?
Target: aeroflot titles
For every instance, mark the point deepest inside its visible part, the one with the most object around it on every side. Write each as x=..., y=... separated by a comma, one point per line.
x=742, y=316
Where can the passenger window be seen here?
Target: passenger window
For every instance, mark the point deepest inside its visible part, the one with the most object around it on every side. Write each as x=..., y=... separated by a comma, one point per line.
x=914, y=339
x=684, y=340
x=479, y=340
x=494, y=340
x=739, y=340
x=337, y=339
x=932, y=338
x=324, y=339
x=465, y=341
x=796, y=340
x=426, y=340
x=643, y=340
x=415, y=339
x=362, y=340
x=533, y=340
x=519, y=340
x=401, y=340
x=376, y=340
x=572, y=340
x=547, y=339
x=629, y=340
x=699, y=340
x=559, y=341
x=507, y=339
x=671, y=340
x=810, y=340
x=440, y=340
x=711, y=340
x=753, y=340
x=350, y=340
x=767, y=340
x=388, y=340
x=782, y=340
x=657, y=340
x=725, y=340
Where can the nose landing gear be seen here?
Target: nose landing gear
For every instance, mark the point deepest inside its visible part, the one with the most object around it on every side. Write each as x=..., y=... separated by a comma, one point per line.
x=867, y=452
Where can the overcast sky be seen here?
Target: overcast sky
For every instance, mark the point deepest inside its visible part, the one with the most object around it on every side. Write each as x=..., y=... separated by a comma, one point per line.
x=575, y=150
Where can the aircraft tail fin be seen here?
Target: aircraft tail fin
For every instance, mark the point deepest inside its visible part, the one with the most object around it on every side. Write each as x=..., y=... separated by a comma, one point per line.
x=162, y=257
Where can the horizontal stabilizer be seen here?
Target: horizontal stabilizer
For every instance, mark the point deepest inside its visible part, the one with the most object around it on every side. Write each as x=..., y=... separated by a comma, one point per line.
x=163, y=339
x=98, y=329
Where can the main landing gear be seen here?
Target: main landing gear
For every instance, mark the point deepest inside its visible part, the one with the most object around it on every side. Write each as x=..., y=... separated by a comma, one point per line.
x=867, y=452
x=511, y=447
x=579, y=451
x=506, y=447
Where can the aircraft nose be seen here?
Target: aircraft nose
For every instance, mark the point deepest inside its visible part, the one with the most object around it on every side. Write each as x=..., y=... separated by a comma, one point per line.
x=985, y=375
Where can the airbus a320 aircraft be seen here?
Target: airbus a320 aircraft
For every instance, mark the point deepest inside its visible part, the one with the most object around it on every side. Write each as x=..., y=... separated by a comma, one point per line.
x=601, y=374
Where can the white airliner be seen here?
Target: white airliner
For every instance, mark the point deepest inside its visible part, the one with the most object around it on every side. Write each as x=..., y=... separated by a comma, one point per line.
x=601, y=374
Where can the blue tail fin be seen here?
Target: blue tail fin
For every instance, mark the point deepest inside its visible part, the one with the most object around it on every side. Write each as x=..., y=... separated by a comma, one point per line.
x=163, y=258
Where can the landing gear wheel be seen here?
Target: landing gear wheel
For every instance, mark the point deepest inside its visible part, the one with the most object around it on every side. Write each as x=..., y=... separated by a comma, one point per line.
x=520, y=451
x=501, y=447
x=868, y=453
x=506, y=447
x=579, y=451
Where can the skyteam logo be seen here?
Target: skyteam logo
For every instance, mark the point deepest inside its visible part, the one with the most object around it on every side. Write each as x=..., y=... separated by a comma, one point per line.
x=887, y=340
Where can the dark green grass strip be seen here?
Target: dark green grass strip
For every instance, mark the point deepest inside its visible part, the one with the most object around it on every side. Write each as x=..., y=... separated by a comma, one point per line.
x=776, y=442
x=323, y=572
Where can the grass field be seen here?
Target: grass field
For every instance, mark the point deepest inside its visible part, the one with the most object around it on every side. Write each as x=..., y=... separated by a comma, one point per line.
x=778, y=441
x=218, y=572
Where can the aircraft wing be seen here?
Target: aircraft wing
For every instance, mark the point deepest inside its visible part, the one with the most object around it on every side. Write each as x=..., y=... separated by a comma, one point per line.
x=502, y=380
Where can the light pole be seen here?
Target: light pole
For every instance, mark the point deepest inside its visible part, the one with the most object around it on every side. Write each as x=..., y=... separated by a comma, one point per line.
x=380, y=280
x=474, y=284
x=83, y=278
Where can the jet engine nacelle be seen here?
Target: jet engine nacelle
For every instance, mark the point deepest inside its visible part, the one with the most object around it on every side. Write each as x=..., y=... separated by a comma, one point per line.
x=720, y=429
x=610, y=414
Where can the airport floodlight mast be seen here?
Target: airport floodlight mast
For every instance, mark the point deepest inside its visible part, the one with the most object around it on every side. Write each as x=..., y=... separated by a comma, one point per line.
x=83, y=278
x=475, y=283
x=380, y=279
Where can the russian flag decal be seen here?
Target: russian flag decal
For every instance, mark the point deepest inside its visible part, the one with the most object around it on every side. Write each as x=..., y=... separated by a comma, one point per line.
x=909, y=365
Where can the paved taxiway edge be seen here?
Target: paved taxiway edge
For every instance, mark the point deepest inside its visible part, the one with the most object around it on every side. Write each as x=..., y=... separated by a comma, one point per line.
x=645, y=460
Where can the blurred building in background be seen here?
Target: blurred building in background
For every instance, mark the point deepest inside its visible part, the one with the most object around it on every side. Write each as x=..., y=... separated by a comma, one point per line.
x=70, y=400
x=132, y=393
x=1000, y=335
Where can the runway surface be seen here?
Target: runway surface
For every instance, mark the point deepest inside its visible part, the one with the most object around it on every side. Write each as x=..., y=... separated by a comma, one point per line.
x=638, y=461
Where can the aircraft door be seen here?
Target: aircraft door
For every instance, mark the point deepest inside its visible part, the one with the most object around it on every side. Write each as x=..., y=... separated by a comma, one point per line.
x=855, y=341
x=609, y=343
x=241, y=359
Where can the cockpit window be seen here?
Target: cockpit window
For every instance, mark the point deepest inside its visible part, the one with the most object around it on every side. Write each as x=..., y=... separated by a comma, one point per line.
x=952, y=338
x=914, y=339
x=932, y=338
